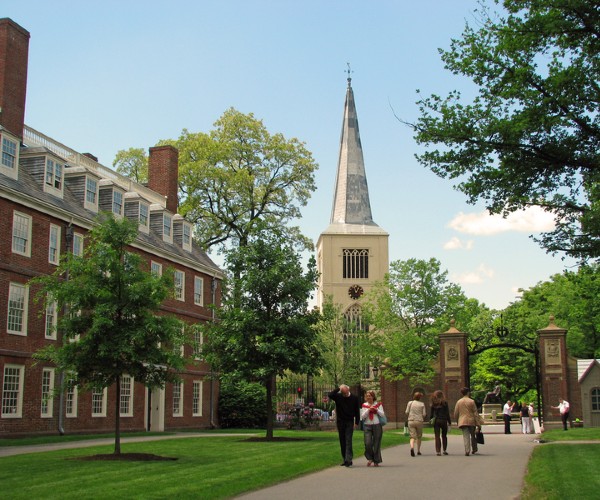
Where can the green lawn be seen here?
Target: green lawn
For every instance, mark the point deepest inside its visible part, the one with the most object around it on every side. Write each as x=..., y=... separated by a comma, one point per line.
x=208, y=468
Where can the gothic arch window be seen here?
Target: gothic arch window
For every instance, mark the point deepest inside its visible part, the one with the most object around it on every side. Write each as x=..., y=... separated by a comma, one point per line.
x=595, y=398
x=355, y=263
x=355, y=325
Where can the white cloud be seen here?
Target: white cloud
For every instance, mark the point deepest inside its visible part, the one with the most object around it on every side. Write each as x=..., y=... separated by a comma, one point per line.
x=476, y=277
x=531, y=220
x=455, y=243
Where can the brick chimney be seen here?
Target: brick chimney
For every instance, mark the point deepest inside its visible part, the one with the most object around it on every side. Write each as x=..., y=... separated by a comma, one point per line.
x=163, y=171
x=14, y=52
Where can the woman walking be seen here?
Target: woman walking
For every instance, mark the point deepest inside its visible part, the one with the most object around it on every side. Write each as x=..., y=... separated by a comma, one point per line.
x=415, y=414
x=441, y=412
x=370, y=413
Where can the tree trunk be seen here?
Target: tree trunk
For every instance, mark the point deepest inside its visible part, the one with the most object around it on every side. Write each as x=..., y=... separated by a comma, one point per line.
x=118, y=417
x=269, y=387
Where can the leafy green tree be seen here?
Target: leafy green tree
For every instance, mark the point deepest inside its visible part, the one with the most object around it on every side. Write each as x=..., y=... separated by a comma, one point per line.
x=531, y=135
x=239, y=178
x=112, y=325
x=264, y=328
x=133, y=163
x=408, y=310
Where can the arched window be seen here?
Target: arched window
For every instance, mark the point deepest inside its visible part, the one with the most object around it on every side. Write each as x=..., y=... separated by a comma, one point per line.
x=355, y=263
x=595, y=397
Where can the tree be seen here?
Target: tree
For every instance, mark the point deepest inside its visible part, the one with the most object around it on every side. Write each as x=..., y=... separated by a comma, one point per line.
x=132, y=163
x=408, y=310
x=531, y=136
x=239, y=179
x=264, y=327
x=111, y=324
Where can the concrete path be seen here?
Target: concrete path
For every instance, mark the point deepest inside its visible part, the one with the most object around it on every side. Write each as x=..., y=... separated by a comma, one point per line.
x=495, y=473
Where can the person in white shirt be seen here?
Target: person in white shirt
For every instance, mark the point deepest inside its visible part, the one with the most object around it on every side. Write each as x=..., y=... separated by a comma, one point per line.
x=506, y=413
x=563, y=407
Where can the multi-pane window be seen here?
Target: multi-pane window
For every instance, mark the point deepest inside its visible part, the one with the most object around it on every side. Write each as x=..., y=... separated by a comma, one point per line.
x=21, y=234
x=91, y=192
x=156, y=268
x=186, y=235
x=354, y=326
x=143, y=215
x=18, y=301
x=197, y=399
x=54, y=244
x=54, y=174
x=99, y=402
x=355, y=263
x=198, y=341
x=177, y=399
x=12, y=391
x=179, y=278
x=71, y=399
x=126, y=403
x=167, y=224
x=9, y=153
x=78, y=244
x=198, y=289
x=51, y=319
x=117, y=205
x=47, y=388
x=595, y=393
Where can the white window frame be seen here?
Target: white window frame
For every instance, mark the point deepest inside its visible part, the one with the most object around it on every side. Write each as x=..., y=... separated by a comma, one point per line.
x=91, y=204
x=99, y=396
x=178, y=399
x=126, y=402
x=186, y=236
x=51, y=319
x=78, y=247
x=197, y=393
x=24, y=290
x=116, y=204
x=47, y=401
x=179, y=285
x=167, y=228
x=9, y=157
x=13, y=395
x=54, y=235
x=198, y=342
x=198, y=291
x=144, y=218
x=71, y=397
x=54, y=176
x=156, y=268
x=22, y=225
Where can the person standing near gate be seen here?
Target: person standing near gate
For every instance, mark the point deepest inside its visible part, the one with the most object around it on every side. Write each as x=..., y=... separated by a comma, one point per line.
x=506, y=413
x=467, y=418
x=347, y=415
x=525, y=420
x=564, y=408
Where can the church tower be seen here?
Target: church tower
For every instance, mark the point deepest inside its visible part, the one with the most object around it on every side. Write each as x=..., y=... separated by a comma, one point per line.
x=352, y=253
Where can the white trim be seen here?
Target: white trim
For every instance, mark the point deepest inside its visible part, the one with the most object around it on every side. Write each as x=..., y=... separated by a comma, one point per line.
x=53, y=259
x=18, y=409
x=28, y=229
x=197, y=395
x=25, y=314
x=47, y=400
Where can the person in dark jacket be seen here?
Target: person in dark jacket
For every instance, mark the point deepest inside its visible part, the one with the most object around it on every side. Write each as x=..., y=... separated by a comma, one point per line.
x=347, y=416
x=441, y=412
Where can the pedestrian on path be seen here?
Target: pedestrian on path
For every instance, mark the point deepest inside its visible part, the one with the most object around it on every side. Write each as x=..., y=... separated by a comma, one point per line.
x=347, y=415
x=525, y=421
x=564, y=407
x=370, y=414
x=415, y=415
x=441, y=412
x=507, y=414
x=467, y=418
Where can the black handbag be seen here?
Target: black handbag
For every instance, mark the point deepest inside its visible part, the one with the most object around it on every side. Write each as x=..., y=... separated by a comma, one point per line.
x=479, y=437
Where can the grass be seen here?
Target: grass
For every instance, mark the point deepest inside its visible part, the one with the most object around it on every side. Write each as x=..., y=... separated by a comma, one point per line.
x=564, y=470
x=69, y=438
x=208, y=468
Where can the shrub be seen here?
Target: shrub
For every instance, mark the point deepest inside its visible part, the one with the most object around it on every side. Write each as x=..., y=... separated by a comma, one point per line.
x=242, y=404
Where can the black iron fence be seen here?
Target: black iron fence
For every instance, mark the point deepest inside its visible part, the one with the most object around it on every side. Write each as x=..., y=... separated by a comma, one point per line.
x=302, y=402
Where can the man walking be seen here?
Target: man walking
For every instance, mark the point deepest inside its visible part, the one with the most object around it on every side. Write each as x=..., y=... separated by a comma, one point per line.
x=347, y=415
x=506, y=413
x=467, y=417
x=564, y=408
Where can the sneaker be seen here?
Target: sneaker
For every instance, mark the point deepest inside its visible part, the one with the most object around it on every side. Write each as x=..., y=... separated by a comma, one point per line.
x=412, y=452
x=445, y=453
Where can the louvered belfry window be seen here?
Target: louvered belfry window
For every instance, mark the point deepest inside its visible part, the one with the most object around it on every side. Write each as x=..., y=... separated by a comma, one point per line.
x=355, y=263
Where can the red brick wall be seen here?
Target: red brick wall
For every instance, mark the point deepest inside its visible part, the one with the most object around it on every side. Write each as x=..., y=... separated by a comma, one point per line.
x=163, y=172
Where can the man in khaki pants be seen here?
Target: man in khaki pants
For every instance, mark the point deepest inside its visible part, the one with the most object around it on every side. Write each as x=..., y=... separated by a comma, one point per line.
x=467, y=417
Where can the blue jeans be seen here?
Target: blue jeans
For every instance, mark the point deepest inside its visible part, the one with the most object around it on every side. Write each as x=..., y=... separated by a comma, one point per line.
x=345, y=431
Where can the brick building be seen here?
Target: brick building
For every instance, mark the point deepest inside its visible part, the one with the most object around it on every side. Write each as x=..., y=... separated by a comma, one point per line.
x=50, y=197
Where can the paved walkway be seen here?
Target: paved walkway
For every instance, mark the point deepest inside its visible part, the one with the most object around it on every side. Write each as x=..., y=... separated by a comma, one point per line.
x=495, y=473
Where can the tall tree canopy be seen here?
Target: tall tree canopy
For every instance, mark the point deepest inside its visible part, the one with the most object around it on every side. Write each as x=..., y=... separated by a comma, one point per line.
x=111, y=324
x=265, y=328
x=133, y=163
x=239, y=177
x=531, y=136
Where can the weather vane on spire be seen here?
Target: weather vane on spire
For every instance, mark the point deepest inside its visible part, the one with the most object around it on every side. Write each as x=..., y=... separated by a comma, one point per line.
x=349, y=71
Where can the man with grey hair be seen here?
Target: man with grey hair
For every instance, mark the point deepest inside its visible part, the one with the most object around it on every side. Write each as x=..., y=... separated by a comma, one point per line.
x=347, y=411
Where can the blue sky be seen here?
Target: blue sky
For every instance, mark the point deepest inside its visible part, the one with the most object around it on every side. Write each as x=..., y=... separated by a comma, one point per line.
x=110, y=75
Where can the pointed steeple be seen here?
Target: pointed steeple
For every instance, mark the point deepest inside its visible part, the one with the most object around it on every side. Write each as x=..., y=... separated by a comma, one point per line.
x=351, y=204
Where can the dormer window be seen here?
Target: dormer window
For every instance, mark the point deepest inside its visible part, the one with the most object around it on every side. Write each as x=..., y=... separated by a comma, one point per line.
x=53, y=176
x=167, y=221
x=187, y=236
x=91, y=194
x=9, y=153
x=117, y=204
x=143, y=215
